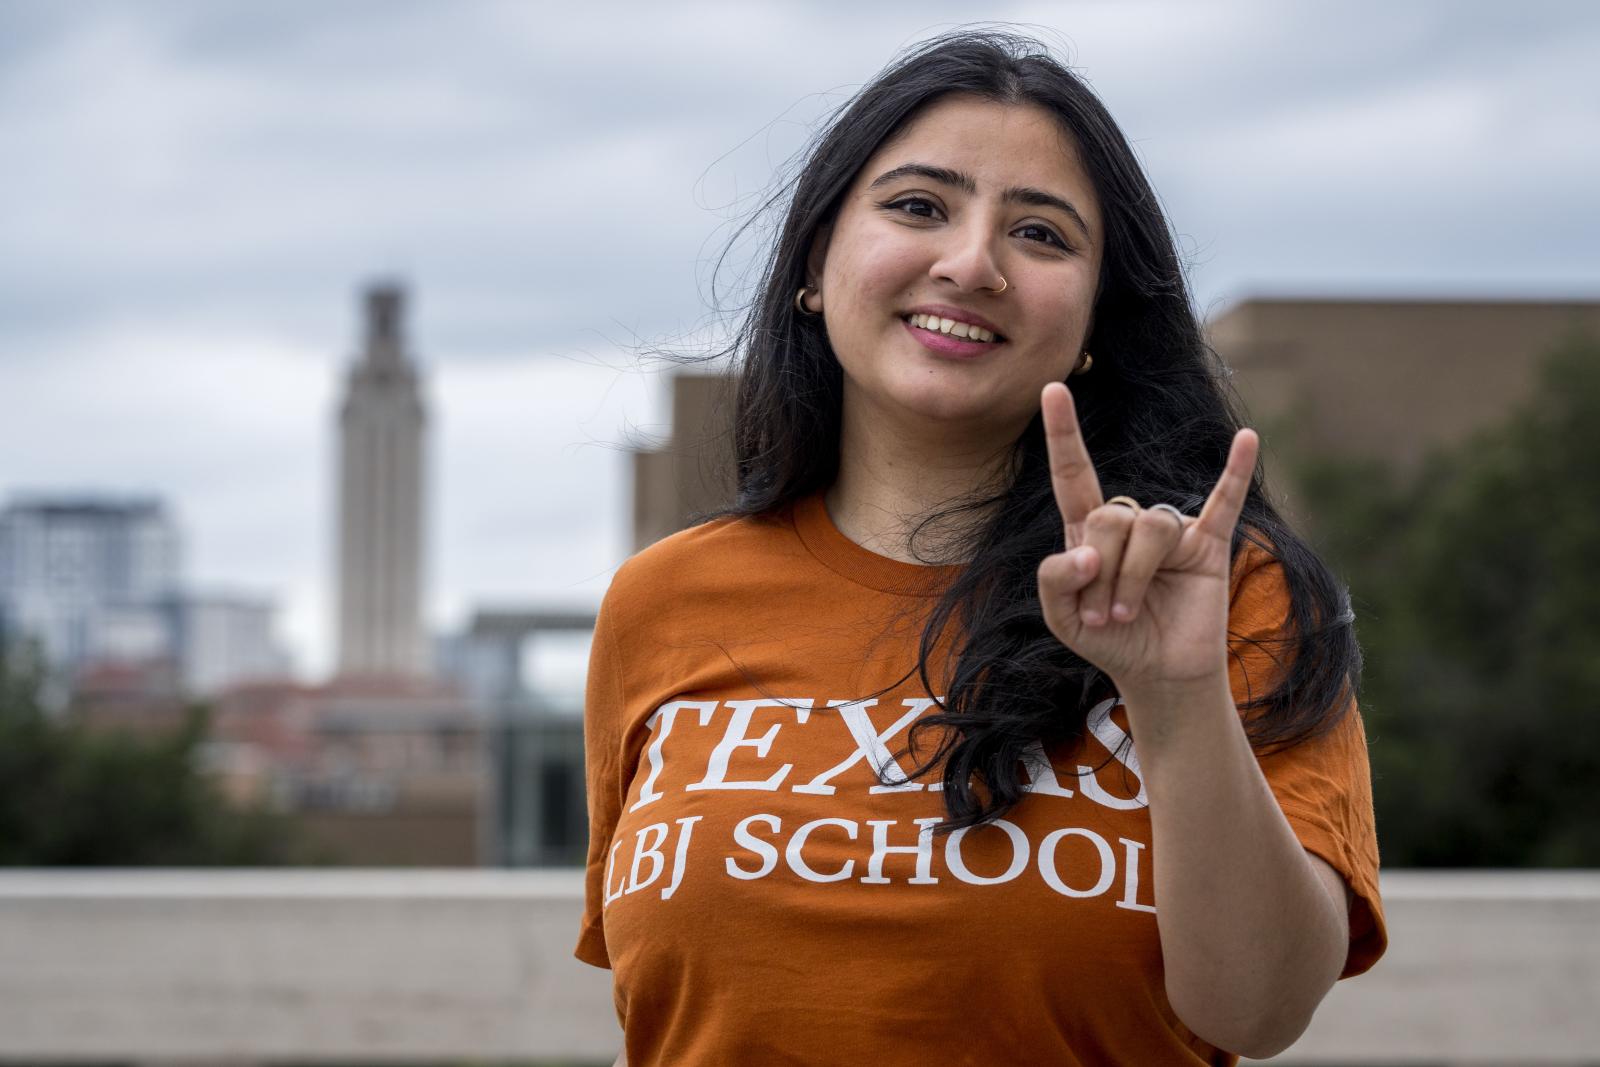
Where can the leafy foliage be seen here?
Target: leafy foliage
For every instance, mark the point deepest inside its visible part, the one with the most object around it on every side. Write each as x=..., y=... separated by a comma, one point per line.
x=71, y=797
x=1474, y=584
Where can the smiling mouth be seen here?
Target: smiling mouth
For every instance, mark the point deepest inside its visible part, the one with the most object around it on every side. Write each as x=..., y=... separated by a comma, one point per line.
x=952, y=328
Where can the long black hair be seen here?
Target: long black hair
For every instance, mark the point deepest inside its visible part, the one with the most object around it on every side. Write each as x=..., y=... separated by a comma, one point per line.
x=1156, y=412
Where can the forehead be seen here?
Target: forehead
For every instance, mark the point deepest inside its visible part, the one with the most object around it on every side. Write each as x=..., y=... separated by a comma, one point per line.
x=1003, y=145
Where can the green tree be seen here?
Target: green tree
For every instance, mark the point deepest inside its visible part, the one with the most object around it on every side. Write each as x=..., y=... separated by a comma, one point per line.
x=1475, y=586
x=70, y=797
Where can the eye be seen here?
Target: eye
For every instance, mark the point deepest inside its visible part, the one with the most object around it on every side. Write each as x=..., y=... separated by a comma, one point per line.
x=917, y=206
x=1043, y=234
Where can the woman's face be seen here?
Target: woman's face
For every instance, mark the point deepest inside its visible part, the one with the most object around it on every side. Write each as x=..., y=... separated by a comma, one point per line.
x=969, y=198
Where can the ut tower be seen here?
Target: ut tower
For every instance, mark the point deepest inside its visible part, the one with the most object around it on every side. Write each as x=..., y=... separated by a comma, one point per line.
x=382, y=427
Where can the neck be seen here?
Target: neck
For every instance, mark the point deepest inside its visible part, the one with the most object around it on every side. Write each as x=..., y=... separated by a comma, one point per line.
x=890, y=480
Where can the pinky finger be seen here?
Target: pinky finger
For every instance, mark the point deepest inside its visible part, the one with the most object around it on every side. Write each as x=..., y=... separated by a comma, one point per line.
x=1226, y=502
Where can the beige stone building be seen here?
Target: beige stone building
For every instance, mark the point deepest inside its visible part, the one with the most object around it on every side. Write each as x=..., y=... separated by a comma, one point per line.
x=1381, y=379
x=1388, y=380
x=693, y=471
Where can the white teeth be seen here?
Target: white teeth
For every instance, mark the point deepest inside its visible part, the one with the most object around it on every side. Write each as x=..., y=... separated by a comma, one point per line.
x=951, y=326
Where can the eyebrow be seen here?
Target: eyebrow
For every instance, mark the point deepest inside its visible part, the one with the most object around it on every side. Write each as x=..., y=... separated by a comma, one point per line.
x=1016, y=195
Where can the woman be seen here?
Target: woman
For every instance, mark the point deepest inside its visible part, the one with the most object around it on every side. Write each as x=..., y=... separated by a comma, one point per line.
x=992, y=723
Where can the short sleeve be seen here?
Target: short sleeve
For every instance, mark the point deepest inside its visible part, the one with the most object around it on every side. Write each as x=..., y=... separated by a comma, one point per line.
x=1323, y=785
x=603, y=708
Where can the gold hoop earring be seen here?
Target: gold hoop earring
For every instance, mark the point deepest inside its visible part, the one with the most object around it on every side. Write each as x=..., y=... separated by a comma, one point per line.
x=800, y=300
x=1088, y=361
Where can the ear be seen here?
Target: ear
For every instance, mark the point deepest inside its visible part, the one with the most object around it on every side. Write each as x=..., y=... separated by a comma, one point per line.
x=818, y=255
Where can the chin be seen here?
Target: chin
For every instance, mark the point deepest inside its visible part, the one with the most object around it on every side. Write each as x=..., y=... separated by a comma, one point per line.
x=953, y=406
x=948, y=409
x=936, y=396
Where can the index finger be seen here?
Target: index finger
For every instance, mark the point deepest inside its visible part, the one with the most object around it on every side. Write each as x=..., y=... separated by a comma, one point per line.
x=1077, y=488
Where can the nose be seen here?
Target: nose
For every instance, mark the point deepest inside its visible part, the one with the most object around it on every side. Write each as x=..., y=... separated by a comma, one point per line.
x=968, y=258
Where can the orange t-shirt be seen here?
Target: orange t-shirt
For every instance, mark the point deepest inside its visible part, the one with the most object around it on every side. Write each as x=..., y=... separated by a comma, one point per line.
x=761, y=896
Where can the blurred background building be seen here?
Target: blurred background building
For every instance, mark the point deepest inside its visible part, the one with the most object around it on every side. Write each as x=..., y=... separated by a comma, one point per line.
x=83, y=576
x=95, y=584
x=692, y=471
x=451, y=752
x=382, y=501
x=1388, y=380
x=394, y=761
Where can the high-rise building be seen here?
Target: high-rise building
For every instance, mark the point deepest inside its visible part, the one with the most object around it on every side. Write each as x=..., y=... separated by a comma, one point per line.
x=95, y=582
x=382, y=424
x=81, y=575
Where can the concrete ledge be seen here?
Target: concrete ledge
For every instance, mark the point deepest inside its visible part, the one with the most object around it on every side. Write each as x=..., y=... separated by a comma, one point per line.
x=411, y=966
x=298, y=965
x=1483, y=967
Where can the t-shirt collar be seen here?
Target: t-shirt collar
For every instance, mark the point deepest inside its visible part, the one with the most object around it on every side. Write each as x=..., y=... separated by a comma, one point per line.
x=860, y=565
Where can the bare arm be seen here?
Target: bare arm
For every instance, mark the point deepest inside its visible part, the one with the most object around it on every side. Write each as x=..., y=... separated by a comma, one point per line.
x=1254, y=929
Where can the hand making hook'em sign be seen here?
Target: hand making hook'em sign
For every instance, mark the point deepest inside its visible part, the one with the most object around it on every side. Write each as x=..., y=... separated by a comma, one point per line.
x=1140, y=592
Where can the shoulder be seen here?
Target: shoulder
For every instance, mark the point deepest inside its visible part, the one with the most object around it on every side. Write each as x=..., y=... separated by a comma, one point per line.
x=1261, y=632
x=704, y=563
x=1256, y=579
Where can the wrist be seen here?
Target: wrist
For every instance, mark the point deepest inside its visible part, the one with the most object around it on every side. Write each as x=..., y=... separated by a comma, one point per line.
x=1176, y=693
x=1163, y=714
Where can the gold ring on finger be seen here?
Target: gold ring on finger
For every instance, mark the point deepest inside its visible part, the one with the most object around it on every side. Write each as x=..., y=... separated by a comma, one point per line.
x=1168, y=507
x=1125, y=501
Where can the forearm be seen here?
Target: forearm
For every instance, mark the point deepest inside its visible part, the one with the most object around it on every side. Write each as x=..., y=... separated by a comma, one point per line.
x=1250, y=939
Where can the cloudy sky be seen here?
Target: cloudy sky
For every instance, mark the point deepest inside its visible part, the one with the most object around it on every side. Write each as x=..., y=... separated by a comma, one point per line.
x=192, y=193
